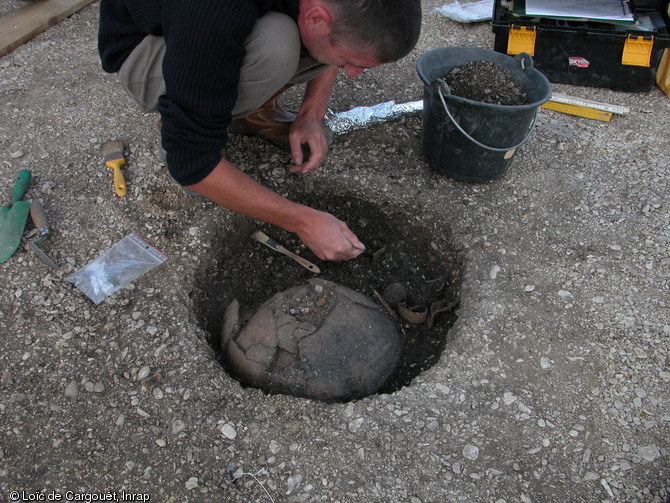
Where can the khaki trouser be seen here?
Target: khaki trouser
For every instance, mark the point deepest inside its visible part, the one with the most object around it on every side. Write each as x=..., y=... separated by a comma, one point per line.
x=272, y=61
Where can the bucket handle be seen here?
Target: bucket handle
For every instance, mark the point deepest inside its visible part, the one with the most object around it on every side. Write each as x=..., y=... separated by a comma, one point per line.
x=442, y=85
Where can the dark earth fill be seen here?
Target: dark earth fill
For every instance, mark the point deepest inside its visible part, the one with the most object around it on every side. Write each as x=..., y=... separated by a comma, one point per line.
x=486, y=82
x=397, y=252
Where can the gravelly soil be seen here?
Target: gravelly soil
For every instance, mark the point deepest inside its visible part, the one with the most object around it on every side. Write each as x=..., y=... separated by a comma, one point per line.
x=552, y=385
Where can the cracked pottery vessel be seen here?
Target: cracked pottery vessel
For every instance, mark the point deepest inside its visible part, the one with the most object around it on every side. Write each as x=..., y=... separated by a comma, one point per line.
x=320, y=340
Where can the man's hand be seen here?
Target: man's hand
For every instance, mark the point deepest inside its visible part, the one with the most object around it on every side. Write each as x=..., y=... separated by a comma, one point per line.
x=328, y=237
x=307, y=131
x=308, y=128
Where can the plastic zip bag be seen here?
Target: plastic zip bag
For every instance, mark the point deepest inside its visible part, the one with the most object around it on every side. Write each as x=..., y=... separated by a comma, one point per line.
x=473, y=12
x=121, y=264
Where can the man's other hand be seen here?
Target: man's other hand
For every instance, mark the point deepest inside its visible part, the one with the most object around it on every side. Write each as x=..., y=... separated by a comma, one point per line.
x=310, y=132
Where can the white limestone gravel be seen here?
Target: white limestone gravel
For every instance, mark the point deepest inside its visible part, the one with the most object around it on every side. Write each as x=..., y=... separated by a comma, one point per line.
x=553, y=386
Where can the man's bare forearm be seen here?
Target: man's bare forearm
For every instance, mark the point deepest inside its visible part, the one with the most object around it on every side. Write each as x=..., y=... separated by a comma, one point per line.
x=328, y=237
x=235, y=190
x=317, y=94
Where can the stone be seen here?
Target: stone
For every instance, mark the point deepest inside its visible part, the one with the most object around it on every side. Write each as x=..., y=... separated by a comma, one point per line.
x=72, y=390
x=343, y=348
x=293, y=482
x=178, y=426
x=394, y=294
x=509, y=398
x=493, y=272
x=355, y=425
x=648, y=452
x=471, y=452
x=229, y=431
x=143, y=373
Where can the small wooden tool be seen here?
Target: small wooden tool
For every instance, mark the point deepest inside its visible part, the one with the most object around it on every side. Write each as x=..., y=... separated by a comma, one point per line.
x=261, y=237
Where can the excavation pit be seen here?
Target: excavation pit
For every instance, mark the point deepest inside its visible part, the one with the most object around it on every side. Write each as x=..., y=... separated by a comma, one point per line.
x=409, y=271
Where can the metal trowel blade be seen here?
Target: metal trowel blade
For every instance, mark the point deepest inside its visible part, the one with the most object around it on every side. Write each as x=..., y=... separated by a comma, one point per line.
x=40, y=254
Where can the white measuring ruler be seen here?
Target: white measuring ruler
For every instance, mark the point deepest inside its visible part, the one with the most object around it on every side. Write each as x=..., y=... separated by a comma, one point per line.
x=596, y=105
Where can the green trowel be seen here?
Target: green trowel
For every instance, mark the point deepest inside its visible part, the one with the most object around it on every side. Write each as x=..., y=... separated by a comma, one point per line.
x=13, y=218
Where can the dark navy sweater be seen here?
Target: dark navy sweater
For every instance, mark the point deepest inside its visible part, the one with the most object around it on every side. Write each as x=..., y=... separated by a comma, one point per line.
x=204, y=53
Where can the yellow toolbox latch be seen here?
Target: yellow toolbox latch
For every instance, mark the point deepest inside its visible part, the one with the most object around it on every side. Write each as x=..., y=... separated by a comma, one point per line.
x=521, y=39
x=637, y=50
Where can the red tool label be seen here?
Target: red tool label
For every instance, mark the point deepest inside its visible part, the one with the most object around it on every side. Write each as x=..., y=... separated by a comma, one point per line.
x=579, y=61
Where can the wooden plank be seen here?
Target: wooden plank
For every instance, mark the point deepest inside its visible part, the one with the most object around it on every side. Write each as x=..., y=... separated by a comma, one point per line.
x=21, y=25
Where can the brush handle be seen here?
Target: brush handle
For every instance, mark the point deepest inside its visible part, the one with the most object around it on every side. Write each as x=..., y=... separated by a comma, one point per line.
x=21, y=185
x=119, y=183
x=303, y=262
x=119, y=180
x=39, y=216
x=263, y=238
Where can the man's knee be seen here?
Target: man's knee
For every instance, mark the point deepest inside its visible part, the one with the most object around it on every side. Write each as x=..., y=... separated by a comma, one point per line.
x=273, y=50
x=141, y=74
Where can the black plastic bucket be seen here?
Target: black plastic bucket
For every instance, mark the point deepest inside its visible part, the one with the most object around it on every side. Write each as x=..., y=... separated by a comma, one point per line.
x=468, y=140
